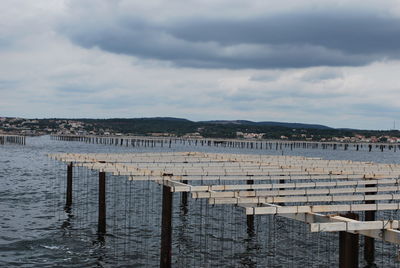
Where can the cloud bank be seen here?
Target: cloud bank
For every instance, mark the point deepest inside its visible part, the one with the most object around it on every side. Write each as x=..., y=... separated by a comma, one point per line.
x=284, y=39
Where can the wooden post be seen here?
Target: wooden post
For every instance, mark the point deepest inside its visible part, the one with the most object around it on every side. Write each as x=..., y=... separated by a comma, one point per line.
x=369, y=242
x=166, y=228
x=250, y=218
x=281, y=181
x=184, y=199
x=348, y=246
x=68, y=202
x=102, y=204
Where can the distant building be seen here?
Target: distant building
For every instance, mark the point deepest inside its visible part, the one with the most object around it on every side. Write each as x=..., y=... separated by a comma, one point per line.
x=253, y=135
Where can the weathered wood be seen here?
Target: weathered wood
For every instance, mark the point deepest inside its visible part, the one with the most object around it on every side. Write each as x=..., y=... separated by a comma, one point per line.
x=68, y=202
x=369, y=242
x=166, y=228
x=304, y=192
x=184, y=198
x=354, y=226
x=388, y=235
x=250, y=218
x=305, y=199
x=12, y=139
x=348, y=247
x=295, y=185
x=102, y=204
x=237, y=143
x=342, y=184
x=321, y=208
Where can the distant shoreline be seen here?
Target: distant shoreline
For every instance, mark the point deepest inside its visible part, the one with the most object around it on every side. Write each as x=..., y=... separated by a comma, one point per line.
x=176, y=127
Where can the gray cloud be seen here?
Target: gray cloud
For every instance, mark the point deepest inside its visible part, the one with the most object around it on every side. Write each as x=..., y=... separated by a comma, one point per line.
x=274, y=96
x=8, y=84
x=321, y=75
x=264, y=77
x=382, y=110
x=66, y=90
x=289, y=40
x=350, y=32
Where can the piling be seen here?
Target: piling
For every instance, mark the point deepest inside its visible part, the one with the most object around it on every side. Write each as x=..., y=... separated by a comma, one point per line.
x=232, y=143
x=12, y=139
x=281, y=181
x=348, y=246
x=250, y=218
x=68, y=202
x=184, y=198
x=102, y=204
x=166, y=228
x=369, y=242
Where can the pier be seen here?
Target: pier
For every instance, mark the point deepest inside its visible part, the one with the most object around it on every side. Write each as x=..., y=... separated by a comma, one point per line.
x=328, y=195
x=271, y=145
x=12, y=139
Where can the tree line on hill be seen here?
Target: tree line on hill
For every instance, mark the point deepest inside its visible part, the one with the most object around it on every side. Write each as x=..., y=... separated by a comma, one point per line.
x=229, y=129
x=180, y=127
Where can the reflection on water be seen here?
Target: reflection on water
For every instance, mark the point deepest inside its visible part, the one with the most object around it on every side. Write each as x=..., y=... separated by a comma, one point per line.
x=36, y=231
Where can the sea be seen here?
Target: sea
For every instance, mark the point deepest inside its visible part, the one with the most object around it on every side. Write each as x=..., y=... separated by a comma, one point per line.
x=37, y=231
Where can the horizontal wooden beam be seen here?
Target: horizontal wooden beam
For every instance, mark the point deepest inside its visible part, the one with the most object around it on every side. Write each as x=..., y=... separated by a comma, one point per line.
x=354, y=226
x=305, y=199
x=322, y=208
x=388, y=235
x=303, y=192
x=172, y=184
x=295, y=185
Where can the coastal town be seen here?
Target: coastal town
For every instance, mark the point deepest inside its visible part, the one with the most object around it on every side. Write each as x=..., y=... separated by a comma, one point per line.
x=38, y=127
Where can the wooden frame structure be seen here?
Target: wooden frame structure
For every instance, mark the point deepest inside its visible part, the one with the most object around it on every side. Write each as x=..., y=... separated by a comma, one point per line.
x=311, y=190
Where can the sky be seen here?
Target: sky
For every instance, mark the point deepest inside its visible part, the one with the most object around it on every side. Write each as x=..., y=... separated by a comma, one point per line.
x=335, y=63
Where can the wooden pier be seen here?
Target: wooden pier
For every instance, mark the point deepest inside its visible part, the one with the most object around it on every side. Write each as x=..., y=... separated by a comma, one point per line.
x=276, y=145
x=12, y=139
x=328, y=195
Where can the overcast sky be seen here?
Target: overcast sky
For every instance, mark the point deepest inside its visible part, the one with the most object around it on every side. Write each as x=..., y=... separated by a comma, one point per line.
x=335, y=63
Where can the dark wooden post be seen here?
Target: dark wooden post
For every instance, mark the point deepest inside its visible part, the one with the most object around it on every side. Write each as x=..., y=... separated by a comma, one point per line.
x=166, y=228
x=348, y=247
x=102, y=204
x=184, y=198
x=250, y=218
x=69, y=186
x=281, y=181
x=369, y=242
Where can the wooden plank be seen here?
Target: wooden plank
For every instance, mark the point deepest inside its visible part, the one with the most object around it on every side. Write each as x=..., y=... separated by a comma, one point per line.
x=354, y=226
x=304, y=199
x=262, y=160
x=173, y=184
x=321, y=208
x=267, y=178
x=304, y=192
x=295, y=185
x=388, y=235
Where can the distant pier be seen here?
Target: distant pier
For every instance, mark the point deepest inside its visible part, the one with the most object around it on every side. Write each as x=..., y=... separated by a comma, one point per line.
x=12, y=139
x=169, y=142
